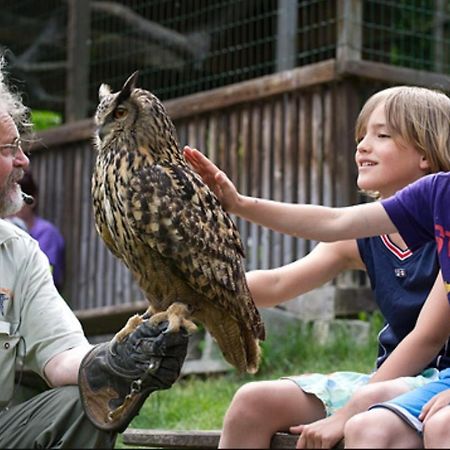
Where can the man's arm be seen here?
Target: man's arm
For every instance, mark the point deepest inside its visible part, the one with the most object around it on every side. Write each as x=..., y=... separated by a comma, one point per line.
x=63, y=368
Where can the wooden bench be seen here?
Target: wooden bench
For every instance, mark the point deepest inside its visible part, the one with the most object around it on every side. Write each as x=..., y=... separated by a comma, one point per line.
x=192, y=439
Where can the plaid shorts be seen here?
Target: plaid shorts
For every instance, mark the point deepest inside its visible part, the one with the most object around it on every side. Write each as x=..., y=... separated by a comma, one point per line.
x=334, y=390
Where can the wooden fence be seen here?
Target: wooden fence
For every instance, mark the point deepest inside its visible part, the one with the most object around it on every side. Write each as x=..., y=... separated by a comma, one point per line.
x=287, y=137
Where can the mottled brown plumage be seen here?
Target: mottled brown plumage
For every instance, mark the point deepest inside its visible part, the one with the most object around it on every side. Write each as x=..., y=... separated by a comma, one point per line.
x=156, y=214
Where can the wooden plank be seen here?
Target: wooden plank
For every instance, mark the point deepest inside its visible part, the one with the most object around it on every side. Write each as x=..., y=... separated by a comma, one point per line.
x=303, y=169
x=267, y=180
x=194, y=439
x=277, y=150
x=290, y=168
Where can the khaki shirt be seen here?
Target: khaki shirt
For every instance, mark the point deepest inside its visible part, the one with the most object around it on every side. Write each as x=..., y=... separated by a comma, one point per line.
x=35, y=321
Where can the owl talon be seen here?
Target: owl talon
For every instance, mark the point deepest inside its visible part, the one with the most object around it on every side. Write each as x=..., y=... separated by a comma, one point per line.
x=176, y=316
x=132, y=323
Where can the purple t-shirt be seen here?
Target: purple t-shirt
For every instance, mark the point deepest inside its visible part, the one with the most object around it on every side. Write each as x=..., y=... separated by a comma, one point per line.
x=52, y=244
x=421, y=213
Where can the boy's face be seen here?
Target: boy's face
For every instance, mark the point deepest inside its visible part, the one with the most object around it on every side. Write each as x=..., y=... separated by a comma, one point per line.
x=12, y=163
x=385, y=165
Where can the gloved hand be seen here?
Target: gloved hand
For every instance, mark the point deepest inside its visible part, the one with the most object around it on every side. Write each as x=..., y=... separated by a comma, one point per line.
x=116, y=377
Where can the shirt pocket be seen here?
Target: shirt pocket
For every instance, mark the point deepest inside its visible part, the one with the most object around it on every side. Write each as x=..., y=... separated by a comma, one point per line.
x=8, y=352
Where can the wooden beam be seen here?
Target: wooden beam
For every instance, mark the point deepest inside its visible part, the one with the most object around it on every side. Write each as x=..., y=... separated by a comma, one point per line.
x=395, y=74
x=196, y=439
x=80, y=130
x=191, y=439
x=108, y=319
x=256, y=89
x=77, y=75
x=349, y=31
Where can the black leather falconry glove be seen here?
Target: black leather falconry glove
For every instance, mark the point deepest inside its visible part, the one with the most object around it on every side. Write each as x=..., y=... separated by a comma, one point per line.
x=116, y=377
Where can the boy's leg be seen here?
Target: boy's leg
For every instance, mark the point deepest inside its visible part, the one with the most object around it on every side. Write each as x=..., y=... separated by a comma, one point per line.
x=53, y=419
x=436, y=431
x=380, y=428
x=394, y=423
x=260, y=409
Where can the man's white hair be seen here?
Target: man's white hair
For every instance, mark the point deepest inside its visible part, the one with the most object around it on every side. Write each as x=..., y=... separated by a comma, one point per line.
x=11, y=102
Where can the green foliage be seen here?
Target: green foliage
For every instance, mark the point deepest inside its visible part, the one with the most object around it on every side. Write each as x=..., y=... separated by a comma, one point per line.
x=45, y=119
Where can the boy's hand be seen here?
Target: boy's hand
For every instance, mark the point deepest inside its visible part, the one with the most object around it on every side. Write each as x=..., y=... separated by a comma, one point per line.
x=325, y=433
x=216, y=180
x=438, y=402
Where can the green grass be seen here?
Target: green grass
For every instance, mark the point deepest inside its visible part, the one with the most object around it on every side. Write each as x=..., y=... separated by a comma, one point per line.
x=200, y=402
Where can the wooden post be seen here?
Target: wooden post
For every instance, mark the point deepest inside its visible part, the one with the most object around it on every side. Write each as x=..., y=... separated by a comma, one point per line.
x=349, y=31
x=438, y=34
x=286, y=35
x=77, y=76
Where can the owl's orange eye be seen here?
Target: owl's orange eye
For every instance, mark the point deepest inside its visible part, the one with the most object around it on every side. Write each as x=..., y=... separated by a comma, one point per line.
x=120, y=112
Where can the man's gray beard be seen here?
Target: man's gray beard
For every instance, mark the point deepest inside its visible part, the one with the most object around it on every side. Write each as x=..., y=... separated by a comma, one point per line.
x=11, y=201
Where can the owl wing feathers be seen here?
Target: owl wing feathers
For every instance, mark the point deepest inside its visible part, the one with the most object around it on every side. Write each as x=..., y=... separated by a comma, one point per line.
x=187, y=225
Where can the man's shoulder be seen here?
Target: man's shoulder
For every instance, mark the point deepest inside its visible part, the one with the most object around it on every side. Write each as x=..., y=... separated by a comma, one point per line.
x=10, y=231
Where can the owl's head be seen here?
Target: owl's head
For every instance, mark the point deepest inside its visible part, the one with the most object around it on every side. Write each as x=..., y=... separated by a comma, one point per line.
x=133, y=116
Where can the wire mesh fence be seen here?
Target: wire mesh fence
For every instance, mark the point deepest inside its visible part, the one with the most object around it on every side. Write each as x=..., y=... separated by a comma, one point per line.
x=186, y=46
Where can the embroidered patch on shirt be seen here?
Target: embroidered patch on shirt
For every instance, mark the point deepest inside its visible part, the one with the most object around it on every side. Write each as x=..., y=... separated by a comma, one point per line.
x=400, y=273
x=5, y=295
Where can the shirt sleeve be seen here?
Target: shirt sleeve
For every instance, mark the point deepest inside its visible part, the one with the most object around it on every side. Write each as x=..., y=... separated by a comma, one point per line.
x=48, y=325
x=411, y=211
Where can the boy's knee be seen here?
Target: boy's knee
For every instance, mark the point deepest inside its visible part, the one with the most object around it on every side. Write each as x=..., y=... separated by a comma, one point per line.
x=436, y=432
x=247, y=404
x=379, y=392
x=364, y=430
x=354, y=428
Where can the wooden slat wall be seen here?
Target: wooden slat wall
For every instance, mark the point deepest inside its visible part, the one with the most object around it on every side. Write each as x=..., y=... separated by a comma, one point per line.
x=295, y=146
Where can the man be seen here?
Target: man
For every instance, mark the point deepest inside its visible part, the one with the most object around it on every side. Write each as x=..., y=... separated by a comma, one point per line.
x=37, y=329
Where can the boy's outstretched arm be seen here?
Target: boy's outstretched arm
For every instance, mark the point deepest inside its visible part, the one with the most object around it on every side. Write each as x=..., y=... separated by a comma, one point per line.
x=304, y=221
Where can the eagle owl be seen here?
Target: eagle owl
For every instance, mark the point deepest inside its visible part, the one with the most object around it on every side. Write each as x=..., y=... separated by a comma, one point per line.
x=158, y=216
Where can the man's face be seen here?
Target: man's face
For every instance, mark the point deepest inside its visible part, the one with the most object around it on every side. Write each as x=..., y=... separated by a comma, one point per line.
x=12, y=164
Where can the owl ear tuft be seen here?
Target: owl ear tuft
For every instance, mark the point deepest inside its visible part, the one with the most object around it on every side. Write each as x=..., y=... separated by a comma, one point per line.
x=103, y=91
x=128, y=87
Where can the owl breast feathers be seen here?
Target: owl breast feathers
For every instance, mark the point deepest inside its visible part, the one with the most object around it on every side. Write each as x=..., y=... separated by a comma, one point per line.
x=156, y=215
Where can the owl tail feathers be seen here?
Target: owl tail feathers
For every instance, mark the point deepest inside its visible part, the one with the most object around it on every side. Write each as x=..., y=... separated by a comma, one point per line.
x=239, y=345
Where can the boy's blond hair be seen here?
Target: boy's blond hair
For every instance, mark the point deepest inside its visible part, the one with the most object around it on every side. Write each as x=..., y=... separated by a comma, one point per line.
x=419, y=116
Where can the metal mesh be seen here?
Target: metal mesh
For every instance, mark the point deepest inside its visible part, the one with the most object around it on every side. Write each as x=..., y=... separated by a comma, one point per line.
x=187, y=46
x=408, y=33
